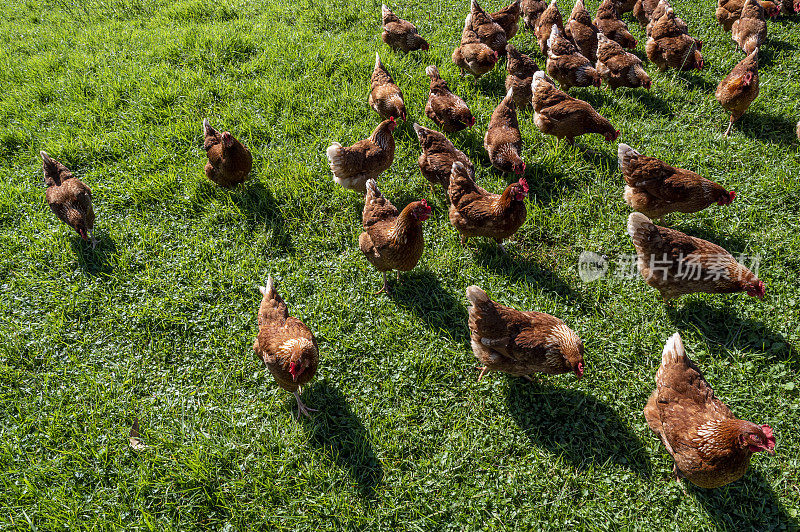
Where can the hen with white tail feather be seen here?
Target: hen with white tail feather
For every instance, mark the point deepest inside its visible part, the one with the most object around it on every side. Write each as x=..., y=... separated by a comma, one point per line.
x=709, y=445
x=285, y=344
x=353, y=166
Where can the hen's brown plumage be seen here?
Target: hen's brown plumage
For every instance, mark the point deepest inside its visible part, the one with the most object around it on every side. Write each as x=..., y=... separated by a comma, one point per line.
x=643, y=10
x=353, y=165
x=391, y=240
x=519, y=64
x=521, y=343
x=729, y=11
x=656, y=189
x=737, y=91
x=69, y=198
x=400, y=34
x=675, y=263
x=544, y=26
x=385, y=96
x=661, y=26
x=559, y=114
x=567, y=65
x=582, y=31
x=710, y=446
x=229, y=162
x=447, y=110
x=750, y=31
x=618, y=67
x=488, y=31
x=438, y=156
x=508, y=18
x=670, y=47
x=503, y=141
x=531, y=11
x=472, y=55
x=474, y=212
x=608, y=22
x=285, y=344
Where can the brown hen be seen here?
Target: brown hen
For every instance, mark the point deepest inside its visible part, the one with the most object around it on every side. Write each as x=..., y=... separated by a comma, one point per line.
x=544, y=26
x=69, y=198
x=609, y=23
x=391, y=240
x=656, y=189
x=385, y=96
x=737, y=91
x=729, y=11
x=567, y=65
x=488, y=31
x=559, y=114
x=750, y=31
x=675, y=263
x=438, y=156
x=710, y=446
x=286, y=345
x=582, y=31
x=521, y=343
x=618, y=67
x=673, y=48
x=400, y=34
x=447, y=110
x=503, y=141
x=472, y=55
x=353, y=165
x=229, y=162
x=508, y=18
x=531, y=11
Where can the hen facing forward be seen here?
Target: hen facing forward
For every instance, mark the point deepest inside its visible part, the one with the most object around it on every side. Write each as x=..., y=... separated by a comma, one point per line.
x=392, y=240
x=286, y=345
x=447, y=110
x=675, y=263
x=737, y=91
x=69, y=198
x=710, y=446
x=474, y=212
x=400, y=34
x=656, y=189
x=229, y=162
x=353, y=165
x=521, y=343
x=472, y=55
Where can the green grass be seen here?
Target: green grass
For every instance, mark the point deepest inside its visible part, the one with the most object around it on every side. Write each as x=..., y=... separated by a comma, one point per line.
x=158, y=321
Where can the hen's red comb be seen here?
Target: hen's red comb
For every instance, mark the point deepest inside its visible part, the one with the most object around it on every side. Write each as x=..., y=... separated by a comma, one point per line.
x=524, y=184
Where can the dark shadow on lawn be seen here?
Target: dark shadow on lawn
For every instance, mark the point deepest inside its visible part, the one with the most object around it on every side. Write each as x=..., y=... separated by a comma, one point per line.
x=771, y=49
x=574, y=424
x=421, y=293
x=725, y=327
x=649, y=100
x=97, y=261
x=767, y=127
x=338, y=433
x=696, y=82
x=747, y=504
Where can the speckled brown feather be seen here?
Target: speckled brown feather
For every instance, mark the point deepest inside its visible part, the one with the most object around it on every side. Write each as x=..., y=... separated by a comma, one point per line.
x=353, y=165
x=227, y=165
x=385, y=96
x=400, y=34
x=519, y=64
x=447, y=110
x=549, y=17
x=664, y=254
x=503, y=141
x=608, y=22
x=508, y=18
x=489, y=32
x=520, y=343
x=531, y=11
x=567, y=65
x=474, y=212
x=750, y=31
x=68, y=197
x=733, y=94
x=559, y=114
x=582, y=31
x=618, y=67
x=472, y=55
x=438, y=156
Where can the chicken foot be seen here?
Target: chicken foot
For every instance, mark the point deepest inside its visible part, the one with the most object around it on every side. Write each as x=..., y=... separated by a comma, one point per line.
x=302, y=408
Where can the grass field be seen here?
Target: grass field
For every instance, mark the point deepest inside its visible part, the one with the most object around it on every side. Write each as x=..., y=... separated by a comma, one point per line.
x=158, y=321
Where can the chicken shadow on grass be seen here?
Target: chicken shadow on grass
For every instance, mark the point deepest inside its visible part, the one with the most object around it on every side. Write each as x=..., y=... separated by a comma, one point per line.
x=766, y=127
x=773, y=48
x=748, y=504
x=339, y=434
x=97, y=261
x=649, y=100
x=256, y=203
x=724, y=326
x=421, y=293
x=577, y=426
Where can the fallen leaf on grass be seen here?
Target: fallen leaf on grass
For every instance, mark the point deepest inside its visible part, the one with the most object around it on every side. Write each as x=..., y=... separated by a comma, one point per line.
x=133, y=437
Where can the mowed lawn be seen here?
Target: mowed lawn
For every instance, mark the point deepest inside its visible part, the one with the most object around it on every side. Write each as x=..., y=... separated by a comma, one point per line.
x=158, y=321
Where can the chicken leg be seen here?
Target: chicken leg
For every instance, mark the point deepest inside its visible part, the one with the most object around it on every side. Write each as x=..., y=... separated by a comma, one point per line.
x=302, y=408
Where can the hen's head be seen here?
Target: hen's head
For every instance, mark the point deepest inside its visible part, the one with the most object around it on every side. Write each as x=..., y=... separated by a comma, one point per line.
x=300, y=351
x=748, y=79
x=421, y=210
x=758, y=439
x=646, y=83
x=227, y=139
x=519, y=168
x=520, y=189
x=797, y=6
x=699, y=62
x=726, y=198
x=611, y=136
x=470, y=121
x=392, y=123
x=771, y=10
x=756, y=289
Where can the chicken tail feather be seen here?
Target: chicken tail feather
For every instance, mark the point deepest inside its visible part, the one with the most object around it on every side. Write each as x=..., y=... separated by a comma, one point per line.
x=335, y=154
x=477, y=296
x=640, y=228
x=432, y=72
x=269, y=289
x=673, y=350
x=626, y=155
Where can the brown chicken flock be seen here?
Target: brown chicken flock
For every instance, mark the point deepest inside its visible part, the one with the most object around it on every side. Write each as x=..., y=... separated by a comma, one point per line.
x=709, y=445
